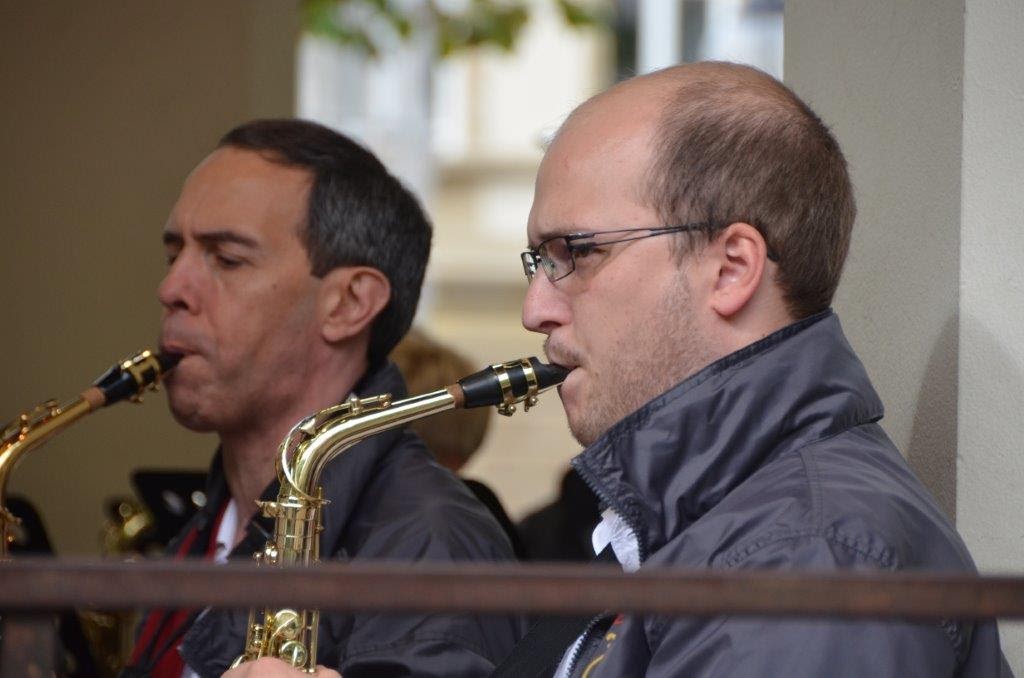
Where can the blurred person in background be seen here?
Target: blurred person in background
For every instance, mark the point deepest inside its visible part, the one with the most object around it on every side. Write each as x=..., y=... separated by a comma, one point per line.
x=562, y=529
x=453, y=437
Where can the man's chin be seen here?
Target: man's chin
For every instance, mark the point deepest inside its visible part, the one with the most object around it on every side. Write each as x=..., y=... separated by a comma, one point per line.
x=190, y=416
x=584, y=438
x=582, y=427
x=587, y=420
x=575, y=414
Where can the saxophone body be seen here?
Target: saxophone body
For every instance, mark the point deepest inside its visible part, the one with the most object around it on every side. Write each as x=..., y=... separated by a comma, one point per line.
x=291, y=634
x=127, y=379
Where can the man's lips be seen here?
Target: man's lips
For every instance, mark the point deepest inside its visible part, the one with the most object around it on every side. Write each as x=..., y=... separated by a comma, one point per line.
x=174, y=347
x=556, y=357
x=566, y=367
x=182, y=343
x=561, y=361
x=569, y=365
x=558, y=354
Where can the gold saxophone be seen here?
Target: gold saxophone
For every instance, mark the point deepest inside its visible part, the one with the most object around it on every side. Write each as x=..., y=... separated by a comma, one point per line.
x=127, y=379
x=290, y=634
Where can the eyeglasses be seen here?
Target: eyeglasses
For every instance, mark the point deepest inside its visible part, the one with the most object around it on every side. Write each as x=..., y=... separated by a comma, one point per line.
x=557, y=255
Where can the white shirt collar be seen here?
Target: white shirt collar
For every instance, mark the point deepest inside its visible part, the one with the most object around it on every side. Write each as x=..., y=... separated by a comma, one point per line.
x=615, y=531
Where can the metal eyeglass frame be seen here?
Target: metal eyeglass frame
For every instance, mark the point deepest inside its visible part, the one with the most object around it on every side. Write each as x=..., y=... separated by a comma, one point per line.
x=538, y=257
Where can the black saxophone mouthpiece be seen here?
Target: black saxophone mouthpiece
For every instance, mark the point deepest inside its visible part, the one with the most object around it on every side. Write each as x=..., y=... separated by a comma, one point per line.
x=130, y=377
x=508, y=383
x=167, y=361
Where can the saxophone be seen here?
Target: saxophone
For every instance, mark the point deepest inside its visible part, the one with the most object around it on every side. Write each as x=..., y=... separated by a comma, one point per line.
x=127, y=379
x=290, y=634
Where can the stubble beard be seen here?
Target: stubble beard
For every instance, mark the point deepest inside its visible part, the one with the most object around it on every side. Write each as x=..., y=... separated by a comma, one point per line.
x=665, y=350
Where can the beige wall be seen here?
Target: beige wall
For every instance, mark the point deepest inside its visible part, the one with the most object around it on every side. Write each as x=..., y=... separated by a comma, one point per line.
x=106, y=106
x=926, y=99
x=886, y=77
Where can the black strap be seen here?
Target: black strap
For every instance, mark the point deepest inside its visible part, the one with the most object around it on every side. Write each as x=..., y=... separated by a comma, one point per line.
x=542, y=648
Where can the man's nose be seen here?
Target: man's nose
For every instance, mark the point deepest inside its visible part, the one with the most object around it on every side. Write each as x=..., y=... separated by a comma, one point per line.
x=177, y=289
x=544, y=306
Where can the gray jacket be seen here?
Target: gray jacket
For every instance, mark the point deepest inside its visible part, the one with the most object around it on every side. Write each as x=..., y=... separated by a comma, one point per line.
x=388, y=500
x=771, y=458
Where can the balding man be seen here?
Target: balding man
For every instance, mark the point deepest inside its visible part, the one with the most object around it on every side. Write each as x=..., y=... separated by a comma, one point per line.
x=686, y=238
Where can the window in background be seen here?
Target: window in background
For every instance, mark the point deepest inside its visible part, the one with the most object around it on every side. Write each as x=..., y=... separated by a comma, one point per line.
x=652, y=34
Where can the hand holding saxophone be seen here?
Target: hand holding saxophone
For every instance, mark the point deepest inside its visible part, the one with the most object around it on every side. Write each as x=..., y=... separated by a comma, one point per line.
x=290, y=634
x=275, y=668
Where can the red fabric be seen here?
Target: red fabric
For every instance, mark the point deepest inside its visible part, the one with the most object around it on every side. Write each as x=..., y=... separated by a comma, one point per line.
x=170, y=664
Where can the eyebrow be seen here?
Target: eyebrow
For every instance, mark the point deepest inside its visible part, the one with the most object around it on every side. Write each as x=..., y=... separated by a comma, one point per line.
x=210, y=238
x=544, y=236
x=558, y=233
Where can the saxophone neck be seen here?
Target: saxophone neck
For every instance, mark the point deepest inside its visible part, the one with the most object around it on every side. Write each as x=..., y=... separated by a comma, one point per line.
x=127, y=379
x=26, y=432
x=317, y=440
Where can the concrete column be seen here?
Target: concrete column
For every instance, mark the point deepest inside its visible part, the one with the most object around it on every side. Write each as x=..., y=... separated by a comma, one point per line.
x=925, y=98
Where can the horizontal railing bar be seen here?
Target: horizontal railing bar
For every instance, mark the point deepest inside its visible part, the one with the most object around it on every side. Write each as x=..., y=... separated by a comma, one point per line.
x=48, y=584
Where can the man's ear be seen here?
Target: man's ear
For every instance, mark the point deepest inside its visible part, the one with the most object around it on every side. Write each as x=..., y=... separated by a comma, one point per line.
x=350, y=298
x=739, y=254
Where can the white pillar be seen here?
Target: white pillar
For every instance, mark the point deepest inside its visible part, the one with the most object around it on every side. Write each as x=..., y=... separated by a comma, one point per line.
x=659, y=34
x=990, y=468
x=926, y=100
x=382, y=102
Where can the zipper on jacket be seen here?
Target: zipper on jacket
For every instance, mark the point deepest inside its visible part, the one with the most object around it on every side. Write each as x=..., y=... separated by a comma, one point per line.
x=605, y=499
x=582, y=643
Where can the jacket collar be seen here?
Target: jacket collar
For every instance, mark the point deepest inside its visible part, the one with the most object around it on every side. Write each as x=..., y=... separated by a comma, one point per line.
x=670, y=462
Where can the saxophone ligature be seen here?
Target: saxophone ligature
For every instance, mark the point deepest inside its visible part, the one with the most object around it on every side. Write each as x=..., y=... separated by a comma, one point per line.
x=291, y=634
x=127, y=379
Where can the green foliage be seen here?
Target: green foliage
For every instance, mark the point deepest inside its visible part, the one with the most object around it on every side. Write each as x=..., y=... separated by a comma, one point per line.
x=578, y=15
x=497, y=23
x=319, y=17
x=485, y=22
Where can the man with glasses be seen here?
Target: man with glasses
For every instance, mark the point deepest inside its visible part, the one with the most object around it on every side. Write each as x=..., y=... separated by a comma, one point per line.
x=686, y=238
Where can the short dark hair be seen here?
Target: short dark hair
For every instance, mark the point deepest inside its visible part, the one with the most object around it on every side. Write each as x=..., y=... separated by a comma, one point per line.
x=735, y=144
x=359, y=215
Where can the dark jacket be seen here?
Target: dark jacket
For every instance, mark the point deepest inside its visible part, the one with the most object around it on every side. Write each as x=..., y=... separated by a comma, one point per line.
x=388, y=500
x=772, y=458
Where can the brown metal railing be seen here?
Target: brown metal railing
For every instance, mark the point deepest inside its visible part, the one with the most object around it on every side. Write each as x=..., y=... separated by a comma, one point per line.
x=31, y=586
